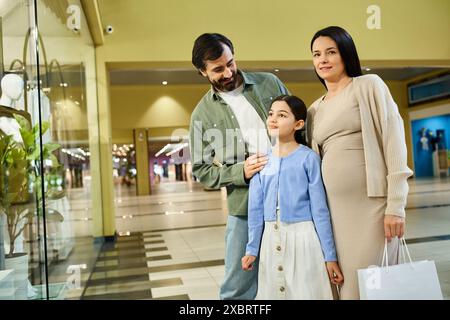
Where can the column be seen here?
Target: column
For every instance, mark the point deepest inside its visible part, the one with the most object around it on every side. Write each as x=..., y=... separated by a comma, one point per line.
x=104, y=221
x=142, y=162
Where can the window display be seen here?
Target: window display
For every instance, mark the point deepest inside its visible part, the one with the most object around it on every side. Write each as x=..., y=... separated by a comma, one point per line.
x=45, y=196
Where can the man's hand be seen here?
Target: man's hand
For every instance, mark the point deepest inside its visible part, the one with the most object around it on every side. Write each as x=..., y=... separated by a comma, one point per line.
x=393, y=226
x=254, y=164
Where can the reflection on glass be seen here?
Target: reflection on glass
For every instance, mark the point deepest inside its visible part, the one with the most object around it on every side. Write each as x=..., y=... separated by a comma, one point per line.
x=46, y=244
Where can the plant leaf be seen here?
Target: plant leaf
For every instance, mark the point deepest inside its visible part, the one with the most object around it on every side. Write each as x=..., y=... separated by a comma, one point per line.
x=55, y=162
x=28, y=138
x=44, y=126
x=34, y=155
x=22, y=122
x=50, y=147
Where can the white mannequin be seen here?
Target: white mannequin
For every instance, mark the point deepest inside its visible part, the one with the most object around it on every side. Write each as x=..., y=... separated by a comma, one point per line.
x=44, y=107
x=12, y=89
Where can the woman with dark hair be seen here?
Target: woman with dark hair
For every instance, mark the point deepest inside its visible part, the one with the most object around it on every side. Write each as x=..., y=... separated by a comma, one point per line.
x=357, y=130
x=297, y=255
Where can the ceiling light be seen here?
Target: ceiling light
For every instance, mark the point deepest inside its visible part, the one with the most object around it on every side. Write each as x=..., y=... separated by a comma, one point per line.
x=276, y=70
x=164, y=83
x=162, y=150
x=178, y=148
x=174, y=212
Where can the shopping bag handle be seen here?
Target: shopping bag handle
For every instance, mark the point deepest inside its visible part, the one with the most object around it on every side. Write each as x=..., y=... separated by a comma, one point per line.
x=403, y=248
x=385, y=255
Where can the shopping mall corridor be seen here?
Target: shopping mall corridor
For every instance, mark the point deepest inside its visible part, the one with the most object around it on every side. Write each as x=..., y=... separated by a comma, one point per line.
x=171, y=244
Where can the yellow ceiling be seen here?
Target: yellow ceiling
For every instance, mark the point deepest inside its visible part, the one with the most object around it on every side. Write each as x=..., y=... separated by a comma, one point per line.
x=413, y=32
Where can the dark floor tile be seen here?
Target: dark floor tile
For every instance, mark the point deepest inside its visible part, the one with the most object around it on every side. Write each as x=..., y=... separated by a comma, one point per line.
x=153, y=236
x=429, y=206
x=136, y=239
x=157, y=258
x=121, y=266
x=177, y=297
x=115, y=280
x=153, y=242
x=122, y=251
x=122, y=256
x=157, y=249
x=181, y=266
x=133, y=295
x=428, y=239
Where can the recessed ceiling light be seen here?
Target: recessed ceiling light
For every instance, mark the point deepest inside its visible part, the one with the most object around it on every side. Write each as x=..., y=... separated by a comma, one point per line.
x=164, y=83
x=367, y=69
x=276, y=70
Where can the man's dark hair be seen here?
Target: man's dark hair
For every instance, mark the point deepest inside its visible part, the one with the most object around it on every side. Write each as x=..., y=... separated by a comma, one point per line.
x=209, y=46
x=346, y=47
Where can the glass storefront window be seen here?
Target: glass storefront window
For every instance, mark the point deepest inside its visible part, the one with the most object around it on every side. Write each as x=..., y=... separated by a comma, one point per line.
x=47, y=89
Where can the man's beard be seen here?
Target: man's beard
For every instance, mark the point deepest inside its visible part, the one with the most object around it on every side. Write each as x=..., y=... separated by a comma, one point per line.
x=222, y=85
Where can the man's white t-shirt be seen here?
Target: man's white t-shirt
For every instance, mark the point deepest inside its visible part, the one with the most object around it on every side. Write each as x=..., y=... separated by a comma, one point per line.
x=253, y=128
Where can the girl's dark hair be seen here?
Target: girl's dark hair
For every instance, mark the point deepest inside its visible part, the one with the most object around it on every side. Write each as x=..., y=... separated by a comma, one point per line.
x=346, y=47
x=298, y=109
x=209, y=46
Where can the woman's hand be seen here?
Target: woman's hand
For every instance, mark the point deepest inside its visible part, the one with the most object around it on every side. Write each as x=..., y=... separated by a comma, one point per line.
x=393, y=226
x=247, y=262
x=334, y=273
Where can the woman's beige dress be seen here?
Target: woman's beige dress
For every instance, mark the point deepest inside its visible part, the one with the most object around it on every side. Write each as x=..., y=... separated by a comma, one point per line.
x=358, y=221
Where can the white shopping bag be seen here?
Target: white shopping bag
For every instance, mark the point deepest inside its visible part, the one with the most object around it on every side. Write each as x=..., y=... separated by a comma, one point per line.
x=408, y=281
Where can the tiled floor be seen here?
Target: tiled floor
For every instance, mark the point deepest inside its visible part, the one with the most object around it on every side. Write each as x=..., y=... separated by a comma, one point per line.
x=172, y=243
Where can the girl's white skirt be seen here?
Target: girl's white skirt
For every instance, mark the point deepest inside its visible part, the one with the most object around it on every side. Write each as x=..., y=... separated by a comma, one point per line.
x=291, y=264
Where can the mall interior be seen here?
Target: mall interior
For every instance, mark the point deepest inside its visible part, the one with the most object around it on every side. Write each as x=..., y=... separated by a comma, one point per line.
x=111, y=208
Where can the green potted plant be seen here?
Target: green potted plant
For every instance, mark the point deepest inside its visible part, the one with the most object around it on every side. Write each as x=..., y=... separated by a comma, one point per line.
x=14, y=193
x=20, y=169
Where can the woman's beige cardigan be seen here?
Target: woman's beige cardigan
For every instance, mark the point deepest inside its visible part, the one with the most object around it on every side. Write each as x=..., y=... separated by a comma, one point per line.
x=384, y=143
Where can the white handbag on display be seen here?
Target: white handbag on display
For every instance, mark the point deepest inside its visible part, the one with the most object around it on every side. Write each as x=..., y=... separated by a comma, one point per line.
x=407, y=281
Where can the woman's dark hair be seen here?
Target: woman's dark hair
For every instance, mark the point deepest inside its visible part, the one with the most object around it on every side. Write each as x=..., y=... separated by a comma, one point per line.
x=298, y=109
x=346, y=47
x=209, y=46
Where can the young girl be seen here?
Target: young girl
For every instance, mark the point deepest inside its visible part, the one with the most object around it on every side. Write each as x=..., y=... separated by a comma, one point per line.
x=287, y=200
